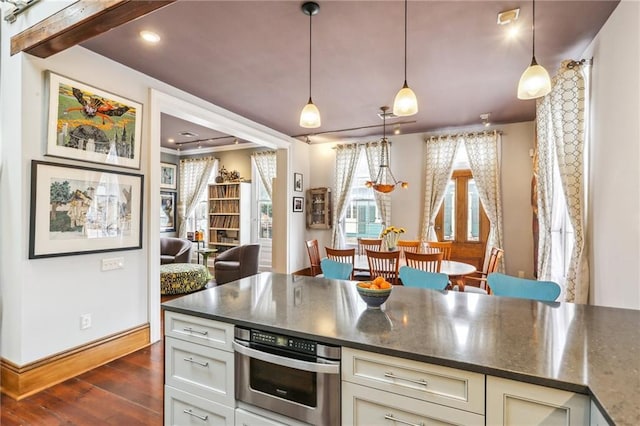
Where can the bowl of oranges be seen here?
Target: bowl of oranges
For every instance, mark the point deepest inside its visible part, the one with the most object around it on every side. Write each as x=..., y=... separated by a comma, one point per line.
x=374, y=293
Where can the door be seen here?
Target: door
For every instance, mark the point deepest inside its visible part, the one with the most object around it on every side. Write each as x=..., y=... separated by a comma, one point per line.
x=261, y=220
x=462, y=219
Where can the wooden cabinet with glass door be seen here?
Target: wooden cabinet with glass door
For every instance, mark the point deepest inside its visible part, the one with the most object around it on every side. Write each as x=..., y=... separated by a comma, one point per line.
x=319, y=208
x=229, y=214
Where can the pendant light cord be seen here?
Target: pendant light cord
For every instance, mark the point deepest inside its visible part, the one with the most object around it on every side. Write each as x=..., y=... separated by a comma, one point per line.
x=533, y=27
x=405, y=42
x=310, y=23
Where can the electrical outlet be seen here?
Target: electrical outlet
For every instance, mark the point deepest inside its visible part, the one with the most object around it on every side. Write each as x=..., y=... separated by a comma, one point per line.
x=521, y=274
x=112, y=263
x=85, y=321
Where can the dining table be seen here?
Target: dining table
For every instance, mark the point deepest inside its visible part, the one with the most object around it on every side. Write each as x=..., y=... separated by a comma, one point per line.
x=454, y=269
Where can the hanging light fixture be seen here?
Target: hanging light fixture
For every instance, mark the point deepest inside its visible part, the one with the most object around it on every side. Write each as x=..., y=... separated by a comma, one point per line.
x=385, y=181
x=535, y=81
x=310, y=115
x=405, y=103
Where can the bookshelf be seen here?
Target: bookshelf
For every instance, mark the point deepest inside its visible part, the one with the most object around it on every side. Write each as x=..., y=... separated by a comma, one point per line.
x=229, y=214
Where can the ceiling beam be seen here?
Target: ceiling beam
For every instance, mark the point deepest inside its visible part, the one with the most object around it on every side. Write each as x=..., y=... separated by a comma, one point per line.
x=79, y=22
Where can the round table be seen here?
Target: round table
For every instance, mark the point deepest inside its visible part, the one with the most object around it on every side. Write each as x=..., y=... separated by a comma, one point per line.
x=181, y=278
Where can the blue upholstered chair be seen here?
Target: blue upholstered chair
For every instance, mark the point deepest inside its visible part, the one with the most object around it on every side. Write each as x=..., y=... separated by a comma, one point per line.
x=412, y=277
x=508, y=286
x=336, y=270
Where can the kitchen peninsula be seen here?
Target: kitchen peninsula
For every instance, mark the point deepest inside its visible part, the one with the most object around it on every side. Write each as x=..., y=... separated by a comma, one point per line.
x=581, y=349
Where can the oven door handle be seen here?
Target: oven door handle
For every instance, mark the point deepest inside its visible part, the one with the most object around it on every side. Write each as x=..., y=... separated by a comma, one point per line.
x=332, y=367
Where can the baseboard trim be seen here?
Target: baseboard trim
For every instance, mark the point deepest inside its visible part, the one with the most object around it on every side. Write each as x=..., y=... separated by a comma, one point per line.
x=18, y=382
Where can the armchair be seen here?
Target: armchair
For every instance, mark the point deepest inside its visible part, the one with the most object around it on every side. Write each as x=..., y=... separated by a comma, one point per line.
x=235, y=263
x=174, y=250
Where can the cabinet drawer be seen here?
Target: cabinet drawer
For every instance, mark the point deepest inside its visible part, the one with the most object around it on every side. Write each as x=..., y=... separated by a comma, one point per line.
x=200, y=370
x=433, y=383
x=198, y=330
x=182, y=408
x=365, y=406
x=510, y=402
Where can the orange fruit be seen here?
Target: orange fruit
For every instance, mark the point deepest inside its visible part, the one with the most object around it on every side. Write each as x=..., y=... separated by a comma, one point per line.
x=385, y=284
x=374, y=287
x=378, y=280
x=364, y=284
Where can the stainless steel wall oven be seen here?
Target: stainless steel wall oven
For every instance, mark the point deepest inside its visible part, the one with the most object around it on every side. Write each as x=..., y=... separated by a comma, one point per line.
x=291, y=376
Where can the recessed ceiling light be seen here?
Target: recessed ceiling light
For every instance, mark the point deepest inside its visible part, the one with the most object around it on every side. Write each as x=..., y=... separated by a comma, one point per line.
x=149, y=36
x=170, y=140
x=508, y=16
x=188, y=134
x=513, y=30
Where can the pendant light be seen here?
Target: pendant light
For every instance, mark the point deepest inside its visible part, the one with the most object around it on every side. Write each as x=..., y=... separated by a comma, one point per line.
x=534, y=82
x=310, y=115
x=405, y=103
x=385, y=181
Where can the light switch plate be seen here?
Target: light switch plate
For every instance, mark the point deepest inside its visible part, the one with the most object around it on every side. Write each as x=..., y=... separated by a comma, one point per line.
x=112, y=263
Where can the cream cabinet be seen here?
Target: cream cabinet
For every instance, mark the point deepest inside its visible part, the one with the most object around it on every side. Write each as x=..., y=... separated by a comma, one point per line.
x=199, y=371
x=511, y=402
x=377, y=389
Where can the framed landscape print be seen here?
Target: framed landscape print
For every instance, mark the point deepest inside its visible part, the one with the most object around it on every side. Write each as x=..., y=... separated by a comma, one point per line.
x=86, y=123
x=167, y=211
x=80, y=210
x=168, y=178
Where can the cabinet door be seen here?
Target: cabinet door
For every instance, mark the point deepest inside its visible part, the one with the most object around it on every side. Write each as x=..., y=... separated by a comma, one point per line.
x=182, y=408
x=366, y=406
x=198, y=330
x=510, y=402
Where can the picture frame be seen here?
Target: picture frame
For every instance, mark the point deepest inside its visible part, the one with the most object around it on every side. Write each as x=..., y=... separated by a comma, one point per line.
x=167, y=211
x=168, y=176
x=297, y=182
x=79, y=210
x=298, y=204
x=89, y=124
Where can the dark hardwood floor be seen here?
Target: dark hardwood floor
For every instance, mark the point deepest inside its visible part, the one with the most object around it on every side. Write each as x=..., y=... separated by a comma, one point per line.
x=126, y=392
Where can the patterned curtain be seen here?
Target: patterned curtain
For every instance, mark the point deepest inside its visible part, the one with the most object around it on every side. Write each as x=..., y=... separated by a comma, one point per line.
x=194, y=178
x=346, y=160
x=383, y=201
x=438, y=160
x=561, y=119
x=483, y=152
x=266, y=164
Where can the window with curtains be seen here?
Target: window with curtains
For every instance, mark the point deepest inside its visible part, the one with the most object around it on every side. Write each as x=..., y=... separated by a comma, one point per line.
x=363, y=218
x=562, y=233
x=265, y=211
x=198, y=220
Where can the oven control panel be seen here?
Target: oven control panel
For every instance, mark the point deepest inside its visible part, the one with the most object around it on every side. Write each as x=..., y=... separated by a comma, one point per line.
x=291, y=343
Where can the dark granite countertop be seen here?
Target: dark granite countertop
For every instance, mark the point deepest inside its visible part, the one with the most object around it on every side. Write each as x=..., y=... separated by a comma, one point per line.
x=580, y=348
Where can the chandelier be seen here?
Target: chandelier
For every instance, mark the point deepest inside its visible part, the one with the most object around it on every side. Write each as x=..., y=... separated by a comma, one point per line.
x=385, y=181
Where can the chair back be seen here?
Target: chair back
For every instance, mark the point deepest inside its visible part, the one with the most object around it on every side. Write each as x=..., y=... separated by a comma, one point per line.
x=335, y=270
x=494, y=260
x=412, y=277
x=384, y=264
x=342, y=255
x=430, y=262
x=508, y=286
x=439, y=246
x=408, y=246
x=369, y=244
x=314, y=257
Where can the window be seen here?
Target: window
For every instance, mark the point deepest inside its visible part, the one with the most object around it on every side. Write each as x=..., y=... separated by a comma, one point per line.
x=198, y=220
x=265, y=210
x=461, y=217
x=362, y=219
x=562, y=235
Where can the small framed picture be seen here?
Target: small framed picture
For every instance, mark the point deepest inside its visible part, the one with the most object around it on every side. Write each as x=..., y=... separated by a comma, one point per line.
x=168, y=176
x=298, y=203
x=297, y=183
x=167, y=211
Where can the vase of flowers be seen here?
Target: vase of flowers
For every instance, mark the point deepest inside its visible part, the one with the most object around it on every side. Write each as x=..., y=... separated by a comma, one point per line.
x=391, y=235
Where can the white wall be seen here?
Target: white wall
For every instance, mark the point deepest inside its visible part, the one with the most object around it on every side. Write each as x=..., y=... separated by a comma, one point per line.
x=407, y=152
x=614, y=179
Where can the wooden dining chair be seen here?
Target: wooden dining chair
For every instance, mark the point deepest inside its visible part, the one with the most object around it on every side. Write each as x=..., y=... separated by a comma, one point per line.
x=439, y=246
x=408, y=246
x=369, y=244
x=384, y=264
x=522, y=288
x=429, y=262
x=314, y=257
x=342, y=255
x=479, y=278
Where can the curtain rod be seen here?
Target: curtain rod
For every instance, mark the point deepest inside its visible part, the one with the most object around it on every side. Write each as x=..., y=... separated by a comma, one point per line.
x=358, y=144
x=573, y=64
x=497, y=132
